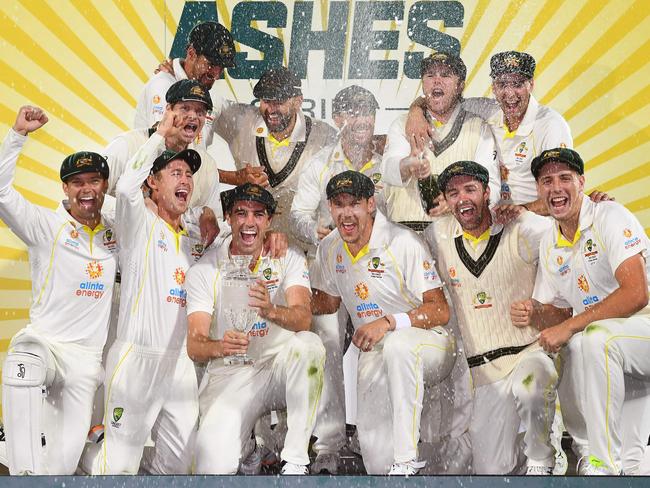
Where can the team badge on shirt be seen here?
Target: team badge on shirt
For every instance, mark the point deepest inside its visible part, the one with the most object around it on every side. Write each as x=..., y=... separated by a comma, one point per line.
x=197, y=251
x=590, y=251
x=630, y=239
x=117, y=415
x=109, y=240
x=482, y=300
x=376, y=267
x=521, y=152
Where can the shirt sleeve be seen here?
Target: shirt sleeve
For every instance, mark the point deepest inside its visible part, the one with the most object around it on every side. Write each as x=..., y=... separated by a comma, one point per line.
x=306, y=201
x=296, y=272
x=117, y=155
x=420, y=274
x=131, y=210
x=557, y=133
x=200, y=287
x=487, y=155
x=151, y=103
x=545, y=290
x=397, y=148
x=532, y=228
x=28, y=221
x=322, y=274
x=621, y=232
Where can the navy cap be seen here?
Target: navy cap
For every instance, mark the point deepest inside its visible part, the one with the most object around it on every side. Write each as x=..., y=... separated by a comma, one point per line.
x=215, y=42
x=190, y=156
x=468, y=168
x=512, y=62
x=188, y=91
x=278, y=84
x=560, y=154
x=83, y=162
x=351, y=182
x=248, y=192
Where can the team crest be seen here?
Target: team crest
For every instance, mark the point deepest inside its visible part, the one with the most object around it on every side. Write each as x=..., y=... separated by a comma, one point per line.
x=583, y=284
x=590, y=251
x=179, y=276
x=267, y=274
x=482, y=300
x=375, y=262
x=94, y=270
x=117, y=413
x=376, y=267
x=376, y=178
x=361, y=290
x=81, y=162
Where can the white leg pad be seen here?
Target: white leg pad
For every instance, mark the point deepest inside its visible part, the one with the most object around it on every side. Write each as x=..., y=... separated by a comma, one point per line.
x=24, y=379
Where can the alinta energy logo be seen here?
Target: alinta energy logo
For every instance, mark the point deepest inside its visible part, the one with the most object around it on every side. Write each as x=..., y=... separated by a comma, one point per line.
x=178, y=295
x=366, y=309
x=92, y=289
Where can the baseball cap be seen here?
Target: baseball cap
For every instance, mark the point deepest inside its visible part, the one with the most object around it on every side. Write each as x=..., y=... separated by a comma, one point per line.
x=215, y=42
x=190, y=156
x=512, y=62
x=354, y=99
x=560, y=154
x=351, y=182
x=248, y=192
x=454, y=62
x=83, y=162
x=469, y=168
x=278, y=84
x=188, y=90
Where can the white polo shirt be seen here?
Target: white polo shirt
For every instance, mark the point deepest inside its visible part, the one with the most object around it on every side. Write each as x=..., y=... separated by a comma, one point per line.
x=310, y=202
x=580, y=274
x=542, y=128
x=204, y=295
x=388, y=276
x=72, y=266
x=154, y=259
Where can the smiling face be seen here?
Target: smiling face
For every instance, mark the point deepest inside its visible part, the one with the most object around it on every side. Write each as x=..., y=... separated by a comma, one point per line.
x=280, y=114
x=512, y=91
x=356, y=129
x=171, y=188
x=198, y=67
x=442, y=89
x=561, y=189
x=193, y=115
x=249, y=221
x=469, y=202
x=353, y=218
x=85, y=193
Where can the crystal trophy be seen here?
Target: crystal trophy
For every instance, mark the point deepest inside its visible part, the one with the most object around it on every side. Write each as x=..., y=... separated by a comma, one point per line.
x=429, y=191
x=234, y=301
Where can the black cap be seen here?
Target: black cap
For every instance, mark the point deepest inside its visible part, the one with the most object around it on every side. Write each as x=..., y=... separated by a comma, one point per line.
x=190, y=156
x=512, y=62
x=278, y=84
x=188, y=91
x=469, y=168
x=560, y=154
x=454, y=62
x=83, y=162
x=248, y=192
x=215, y=42
x=354, y=99
x=351, y=182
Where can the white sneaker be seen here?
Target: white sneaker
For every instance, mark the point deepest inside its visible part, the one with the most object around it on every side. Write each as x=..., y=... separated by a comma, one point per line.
x=326, y=463
x=293, y=469
x=252, y=465
x=410, y=468
x=539, y=471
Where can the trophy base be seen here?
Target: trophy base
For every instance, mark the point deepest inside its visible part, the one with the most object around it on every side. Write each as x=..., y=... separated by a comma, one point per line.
x=237, y=359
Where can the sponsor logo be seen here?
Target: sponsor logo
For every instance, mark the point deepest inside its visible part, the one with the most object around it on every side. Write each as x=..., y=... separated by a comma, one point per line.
x=178, y=296
x=156, y=99
x=109, y=239
x=162, y=243
x=590, y=301
x=590, y=251
x=559, y=260
x=376, y=267
x=179, y=276
x=340, y=268
x=259, y=130
x=453, y=280
x=369, y=309
x=117, y=415
x=361, y=290
x=583, y=284
x=339, y=258
x=564, y=268
x=630, y=241
x=429, y=271
x=90, y=289
x=94, y=270
x=21, y=371
x=482, y=300
x=627, y=233
x=521, y=152
x=260, y=329
x=71, y=243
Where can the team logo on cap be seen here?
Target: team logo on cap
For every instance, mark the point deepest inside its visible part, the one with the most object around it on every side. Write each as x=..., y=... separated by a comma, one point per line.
x=361, y=290
x=583, y=284
x=179, y=276
x=225, y=50
x=343, y=183
x=94, y=270
x=254, y=191
x=81, y=162
x=511, y=61
x=551, y=155
x=439, y=57
x=197, y=90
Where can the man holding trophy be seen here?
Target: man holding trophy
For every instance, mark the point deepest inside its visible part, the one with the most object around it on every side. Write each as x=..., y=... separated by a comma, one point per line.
x=253, y=357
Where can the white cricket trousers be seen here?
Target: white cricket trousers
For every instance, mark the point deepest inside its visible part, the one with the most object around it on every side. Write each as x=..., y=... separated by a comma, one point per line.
x=391, y=389
x=148, y=392
x=68, y=405
x=616, y=354
x=525, y=398
x=232, y=398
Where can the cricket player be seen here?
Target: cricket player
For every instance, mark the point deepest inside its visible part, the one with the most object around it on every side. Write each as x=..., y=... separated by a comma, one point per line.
x=592, y=284
x=384, y=275
x=277, y=137
x=151, y=386
x=456, y=135
x=487, y=266
x=53, y=366
x=288, y=359
x=353, y=110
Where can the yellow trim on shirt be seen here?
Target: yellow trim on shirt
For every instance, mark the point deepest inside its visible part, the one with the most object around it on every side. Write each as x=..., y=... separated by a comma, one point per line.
x=507, y=134
x=400, y=277
x=366, y=166
x=564, y=242
x=177, y=235
x=362, y=252
x=146, y=267
x=474, y=241
x=49, y=266
x=275, y=144
x=91, y=233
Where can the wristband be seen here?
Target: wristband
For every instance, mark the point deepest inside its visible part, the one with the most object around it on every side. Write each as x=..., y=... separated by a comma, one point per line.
x=402, y=320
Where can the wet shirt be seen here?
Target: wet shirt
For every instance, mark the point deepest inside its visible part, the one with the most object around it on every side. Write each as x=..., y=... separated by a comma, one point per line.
x=72, y=266
x=387, y=276
x=204, y=284
x=581, y=273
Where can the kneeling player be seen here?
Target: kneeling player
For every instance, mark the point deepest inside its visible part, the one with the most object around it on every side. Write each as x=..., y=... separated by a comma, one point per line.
x=385, y=277
x=288, y=359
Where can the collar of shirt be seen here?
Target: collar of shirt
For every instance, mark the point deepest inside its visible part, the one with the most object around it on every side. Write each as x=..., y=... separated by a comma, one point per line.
x=476, y=241
x=438, y=126
x=586, y=219
x=379, y=238
x=527, y=124
x=179, y=72
x=64, y=214
x=338, y=156
x=298, y=134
